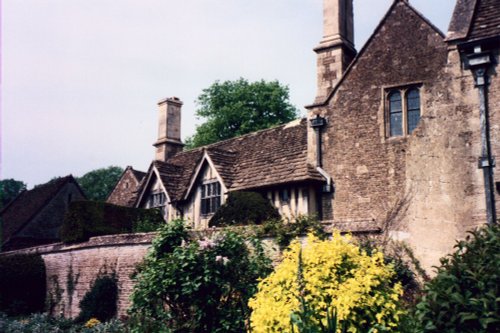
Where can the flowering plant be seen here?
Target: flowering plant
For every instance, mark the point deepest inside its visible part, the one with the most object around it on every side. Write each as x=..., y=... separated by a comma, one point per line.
x=335, y=274
x=197, y=285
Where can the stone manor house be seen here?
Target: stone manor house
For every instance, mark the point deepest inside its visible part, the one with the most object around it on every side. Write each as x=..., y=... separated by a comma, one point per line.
x=400, y=138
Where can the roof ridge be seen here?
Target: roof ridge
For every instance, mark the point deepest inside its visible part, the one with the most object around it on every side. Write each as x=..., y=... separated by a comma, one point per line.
x=209, y=146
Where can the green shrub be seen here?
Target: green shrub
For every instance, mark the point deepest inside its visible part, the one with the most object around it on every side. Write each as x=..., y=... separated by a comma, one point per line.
x=244, y=208
x=100, y=301
x=196, y=285
x=43, y=323
x=86, y=219
x=284, y=232
x=22, y=284
x=464, y=295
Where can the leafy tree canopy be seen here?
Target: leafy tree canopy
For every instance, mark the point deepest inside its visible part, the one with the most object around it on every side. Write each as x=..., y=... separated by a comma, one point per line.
x=233, y=108
x=97, y=184
x=9, y=189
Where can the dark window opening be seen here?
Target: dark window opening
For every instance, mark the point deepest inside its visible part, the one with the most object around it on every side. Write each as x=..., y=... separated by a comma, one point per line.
x=497, y=184
x=396, y=113
x=413, y=109
x=285, y=195
x=210, y=197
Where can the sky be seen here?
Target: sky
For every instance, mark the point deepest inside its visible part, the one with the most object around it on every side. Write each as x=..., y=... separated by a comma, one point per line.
x=80, y=79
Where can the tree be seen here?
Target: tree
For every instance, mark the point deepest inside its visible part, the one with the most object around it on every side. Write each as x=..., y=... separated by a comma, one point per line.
x=9, y=189
x=234, y=108
x=97, y=184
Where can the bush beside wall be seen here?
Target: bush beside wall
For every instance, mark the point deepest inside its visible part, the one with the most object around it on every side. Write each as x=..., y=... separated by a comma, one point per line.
x=244, y=208
x=22, y=284
x=86, y=219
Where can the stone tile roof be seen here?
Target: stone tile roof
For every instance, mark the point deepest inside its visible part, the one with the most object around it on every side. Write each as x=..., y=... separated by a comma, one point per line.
x=486, y=22
x=261, y=159
x=461, y=19
x=27, y=204
x=139, y=175
x=474, y=20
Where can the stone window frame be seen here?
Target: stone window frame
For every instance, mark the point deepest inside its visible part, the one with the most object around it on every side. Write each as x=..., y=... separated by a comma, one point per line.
x=210, y=197
x=403, y=90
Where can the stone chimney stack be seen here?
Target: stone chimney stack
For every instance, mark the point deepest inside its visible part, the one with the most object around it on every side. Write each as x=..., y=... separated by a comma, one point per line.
x=336, y=49
x=169, y=129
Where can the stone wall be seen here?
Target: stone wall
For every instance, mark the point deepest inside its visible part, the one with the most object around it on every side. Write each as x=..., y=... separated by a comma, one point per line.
x=72, y=269
x=424, y=187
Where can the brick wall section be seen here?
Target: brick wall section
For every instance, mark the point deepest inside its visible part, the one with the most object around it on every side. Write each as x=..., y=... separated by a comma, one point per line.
x=81, y=263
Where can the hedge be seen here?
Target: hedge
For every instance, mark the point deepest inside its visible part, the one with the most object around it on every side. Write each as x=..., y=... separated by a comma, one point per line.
x=244, y=208
x=85, y=219
x=22, y=284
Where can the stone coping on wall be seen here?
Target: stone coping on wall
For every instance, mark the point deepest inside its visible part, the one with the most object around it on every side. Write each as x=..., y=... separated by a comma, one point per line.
x=98, y=241
x=364, y=226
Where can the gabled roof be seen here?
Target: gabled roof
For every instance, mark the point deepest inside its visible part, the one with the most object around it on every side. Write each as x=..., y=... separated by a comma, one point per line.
x=118, y=196
x=264, y=158
x=379, y=27
x=29, y=203
x=474, y=20
x=139, y=175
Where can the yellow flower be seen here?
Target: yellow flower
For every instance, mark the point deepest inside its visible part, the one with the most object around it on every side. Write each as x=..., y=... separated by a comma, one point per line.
x=335, y=274
x=92, y=322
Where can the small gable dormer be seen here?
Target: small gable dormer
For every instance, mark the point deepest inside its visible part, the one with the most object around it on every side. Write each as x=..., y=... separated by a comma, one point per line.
x=154, y=195
x=207, y=189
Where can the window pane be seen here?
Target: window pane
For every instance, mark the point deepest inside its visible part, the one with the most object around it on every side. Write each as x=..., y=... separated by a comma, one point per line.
x=413, y=99
x=395, y=102
x=413, y=106
x=413, y=118
x=203, y=191
x=396, y=124
x=204, y=206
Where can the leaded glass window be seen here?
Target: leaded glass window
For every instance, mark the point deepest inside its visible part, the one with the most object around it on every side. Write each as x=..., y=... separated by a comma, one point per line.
x=210, y=197
x=396, y=113
x=413, y=108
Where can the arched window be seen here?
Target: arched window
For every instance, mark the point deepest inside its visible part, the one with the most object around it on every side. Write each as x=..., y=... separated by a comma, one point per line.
x=413, y=108
x=395, y=113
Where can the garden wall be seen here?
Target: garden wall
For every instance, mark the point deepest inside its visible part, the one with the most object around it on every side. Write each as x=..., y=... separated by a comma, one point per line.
x=72, y=269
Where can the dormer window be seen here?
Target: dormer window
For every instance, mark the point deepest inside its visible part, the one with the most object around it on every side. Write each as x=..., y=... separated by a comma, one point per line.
x=210, y=197
x=403, y=106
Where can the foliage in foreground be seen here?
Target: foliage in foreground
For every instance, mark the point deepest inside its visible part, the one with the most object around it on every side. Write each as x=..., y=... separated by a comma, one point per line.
x=336, y=274
x=234, y=108
x=22, y=284
x=42, y=323
x=196, y=285
x=244, y=208
x=464, y=296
